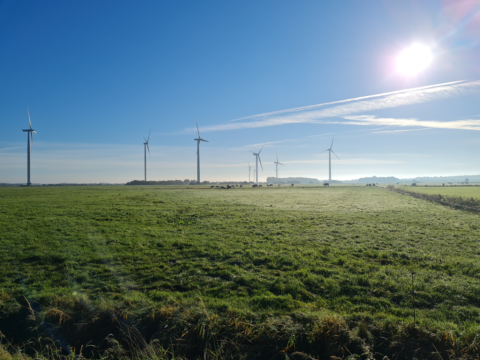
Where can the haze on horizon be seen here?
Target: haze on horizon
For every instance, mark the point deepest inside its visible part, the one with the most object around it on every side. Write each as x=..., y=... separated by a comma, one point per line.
x=98, y=76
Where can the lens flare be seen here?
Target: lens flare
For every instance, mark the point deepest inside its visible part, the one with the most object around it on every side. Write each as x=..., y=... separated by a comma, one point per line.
x=413, y=60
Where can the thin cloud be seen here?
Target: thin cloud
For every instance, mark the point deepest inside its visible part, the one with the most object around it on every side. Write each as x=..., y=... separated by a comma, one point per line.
x=309, y=107
x=368, y=120
x=352, y=106
x=395, y=131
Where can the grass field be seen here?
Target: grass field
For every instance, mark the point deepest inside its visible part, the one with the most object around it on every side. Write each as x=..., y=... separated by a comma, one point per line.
x=463, y=191
x=295, y=258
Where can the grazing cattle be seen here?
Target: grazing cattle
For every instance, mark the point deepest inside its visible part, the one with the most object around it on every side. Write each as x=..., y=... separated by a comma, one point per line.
x=254, y=185
x=240, y=185
x=292, y=184
x=278, y=184
x=211, y=187
x=259, y=185
x=326, y=184
x=373, y=184
x=222, y=187
x=414, y=184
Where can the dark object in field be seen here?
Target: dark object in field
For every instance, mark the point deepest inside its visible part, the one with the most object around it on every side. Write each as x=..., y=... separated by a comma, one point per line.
x=292, y=184
x=278, y=185
x=324, y=184
x=229, y=187
x=414, y=184
x=373, y=184
x=240, y=185
x=211, y=187
x=222, y=187
x=443, y=184
x=259, y=185
x=254, y=185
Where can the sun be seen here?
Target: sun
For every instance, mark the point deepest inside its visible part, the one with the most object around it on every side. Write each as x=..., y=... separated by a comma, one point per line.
x=413, y=60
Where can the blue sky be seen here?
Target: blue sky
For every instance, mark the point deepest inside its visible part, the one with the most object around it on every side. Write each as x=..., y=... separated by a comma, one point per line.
x=97, y=76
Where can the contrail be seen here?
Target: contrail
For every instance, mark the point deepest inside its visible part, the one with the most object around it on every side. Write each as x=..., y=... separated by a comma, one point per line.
x=309, y=107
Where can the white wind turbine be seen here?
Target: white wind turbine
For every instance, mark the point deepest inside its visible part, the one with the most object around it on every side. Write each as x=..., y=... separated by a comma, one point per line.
x=198, y=154
x=330, y=151
x=29, y=136
x=276, y=166
x=257, y=158
x=249, y=169
x=145, y=147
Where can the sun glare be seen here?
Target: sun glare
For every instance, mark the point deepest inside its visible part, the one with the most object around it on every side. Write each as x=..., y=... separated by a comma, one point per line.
x=413, y=60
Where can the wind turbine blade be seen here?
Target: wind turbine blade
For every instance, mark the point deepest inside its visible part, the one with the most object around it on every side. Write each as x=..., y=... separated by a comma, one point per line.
x=282, y=164
x=260, y=161
x=148, y=148
x=262, y=148
x=149, y=135
x=204, y=140
x=323, y=151
x=335, y=154
x=198, y=130
x=145, y=139
x=251, y=151
x=29, y=121
x=332, y=141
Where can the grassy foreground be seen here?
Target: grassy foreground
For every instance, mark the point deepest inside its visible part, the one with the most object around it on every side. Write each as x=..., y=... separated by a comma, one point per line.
x=244, y=273
x=463, y=191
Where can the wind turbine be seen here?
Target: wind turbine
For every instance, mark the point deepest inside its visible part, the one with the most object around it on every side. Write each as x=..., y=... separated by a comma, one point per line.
x=29, y=135
x=145, y=147
x=257, y=158
x=276, y=166
x=330, y=151
x=198, y=154
x=249, y=169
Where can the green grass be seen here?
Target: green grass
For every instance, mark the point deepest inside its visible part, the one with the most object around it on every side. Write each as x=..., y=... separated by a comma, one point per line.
x=463, y=191
x=270, y=255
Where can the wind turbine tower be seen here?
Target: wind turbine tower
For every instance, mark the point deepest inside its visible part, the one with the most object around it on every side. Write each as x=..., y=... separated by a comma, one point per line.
x=29, y=136
x=276, y=166
x=198, y=153
x=330, y=151
x=145, y=147
x=257, y=159
x=249, y=169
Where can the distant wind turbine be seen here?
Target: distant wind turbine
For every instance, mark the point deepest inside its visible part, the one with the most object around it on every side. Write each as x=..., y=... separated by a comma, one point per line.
x=249, y=169
x=257, y=158
x=198, y=154
x=29, y=136
x=145, y=147
x=330, y=151
x=276, y=166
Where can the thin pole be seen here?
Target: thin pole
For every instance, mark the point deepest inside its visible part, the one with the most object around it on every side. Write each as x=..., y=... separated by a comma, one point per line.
x=330, y=165
x=145, y=160
x=256, y=173
x=198, y=161
x=276, y=170
x=28, y=158
x=249, y=169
